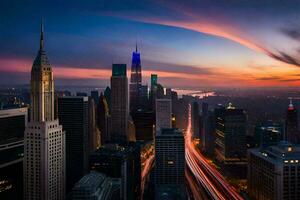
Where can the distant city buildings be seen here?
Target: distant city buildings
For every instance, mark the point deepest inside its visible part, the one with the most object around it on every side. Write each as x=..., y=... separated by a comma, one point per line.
x=44, y=139
x=96, y=186
x=163, y=114
x=169, y=157
x=274, y=172
x=119, y=103
x=230, y=143
x=268, y=133
x=292, y=131
x=73, y=114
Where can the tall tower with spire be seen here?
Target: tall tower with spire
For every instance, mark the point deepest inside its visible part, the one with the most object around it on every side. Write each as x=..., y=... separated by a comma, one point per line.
x=135, y=79
x=292, y=132
x=44, y=139
x=42, y=86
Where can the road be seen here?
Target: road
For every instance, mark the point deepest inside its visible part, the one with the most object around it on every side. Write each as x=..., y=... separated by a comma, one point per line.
x=206, y=175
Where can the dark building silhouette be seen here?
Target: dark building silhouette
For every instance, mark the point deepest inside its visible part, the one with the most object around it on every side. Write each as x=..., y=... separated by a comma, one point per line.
x=119, y=103
x=103, y=119
x=13, y=122
x=143, y=121
x=268, y=133
x=292, y=134
x=95, y=95
x=107, y=95
x=73, y=114
x=195, y=120
x=120, y=161
x=169, y=158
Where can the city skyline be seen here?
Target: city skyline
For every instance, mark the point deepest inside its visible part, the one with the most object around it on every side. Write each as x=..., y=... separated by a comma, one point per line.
x=178, y=41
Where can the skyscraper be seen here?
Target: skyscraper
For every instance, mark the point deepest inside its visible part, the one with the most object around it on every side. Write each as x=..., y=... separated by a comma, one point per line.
x=292, y=134
x=120, y=161
x=73, y=112
x=44, y=139
x=13, y=123
x=169, y=157
x=96, y=186
x=273, y=172
x=135, y=80
x=103, y=119
x=163, y=114
x=195, y=120
x=230, y=143
x=119, y=102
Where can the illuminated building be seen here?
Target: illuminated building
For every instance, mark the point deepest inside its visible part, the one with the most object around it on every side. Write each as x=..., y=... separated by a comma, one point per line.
x=44, y=139
x=292, y=134
x=230, y=143
x=96, y=186
x=273, y=172
x=135, y=80
x=163, y=114
x=120, y=161
x=13, y=123
x=119, y=103
x=169, y=158
x=73, y=113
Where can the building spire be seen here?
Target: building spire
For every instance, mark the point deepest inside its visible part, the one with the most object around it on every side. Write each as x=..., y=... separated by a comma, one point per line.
x=136, y=50
x=42, y=36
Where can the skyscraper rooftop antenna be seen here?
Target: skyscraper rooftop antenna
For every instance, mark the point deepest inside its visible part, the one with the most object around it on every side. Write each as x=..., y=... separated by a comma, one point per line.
x=136, y=49
x=42, y=35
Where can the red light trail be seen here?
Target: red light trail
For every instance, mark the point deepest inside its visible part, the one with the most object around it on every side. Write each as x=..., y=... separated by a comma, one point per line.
x=207, y=176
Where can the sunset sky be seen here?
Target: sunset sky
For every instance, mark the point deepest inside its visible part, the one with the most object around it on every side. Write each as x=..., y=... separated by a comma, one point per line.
x=246, y=43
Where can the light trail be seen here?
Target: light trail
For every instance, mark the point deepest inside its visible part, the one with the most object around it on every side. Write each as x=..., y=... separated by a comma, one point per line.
x=206, y=175
x=148, y=163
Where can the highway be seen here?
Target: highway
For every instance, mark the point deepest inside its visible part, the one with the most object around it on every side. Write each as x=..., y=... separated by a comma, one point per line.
x=206, y=175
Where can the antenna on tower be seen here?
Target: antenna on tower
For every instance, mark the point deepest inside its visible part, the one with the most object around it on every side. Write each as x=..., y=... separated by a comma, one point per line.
x=42, y=34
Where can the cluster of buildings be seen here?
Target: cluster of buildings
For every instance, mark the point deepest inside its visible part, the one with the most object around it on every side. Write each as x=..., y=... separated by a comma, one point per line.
x=89, y=147
x=271, y=154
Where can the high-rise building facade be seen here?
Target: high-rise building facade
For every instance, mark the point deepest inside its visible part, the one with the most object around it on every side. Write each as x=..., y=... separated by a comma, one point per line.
x=73, y=112
x=163, y=114
x=195, y=120
x=119, y=102
x=169, y=157
x=230, y=143
x=13, y=123
x=120, y=161
x=143, y=121
x=292, y=132
x=268, y=133
x=135, y=80
x=44, y=139
x=96, y=186
x=273, y=172
x=103, y=119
